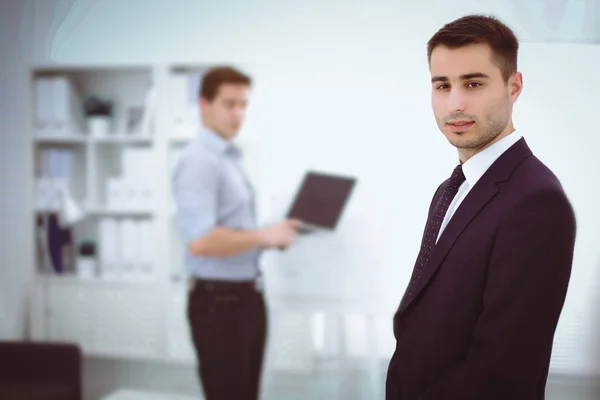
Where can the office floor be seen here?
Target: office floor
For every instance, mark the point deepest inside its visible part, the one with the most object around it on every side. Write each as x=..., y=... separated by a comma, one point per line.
x=103, y=376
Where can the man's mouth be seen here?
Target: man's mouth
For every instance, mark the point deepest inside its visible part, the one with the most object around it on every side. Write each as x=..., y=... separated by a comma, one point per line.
x=460, y=125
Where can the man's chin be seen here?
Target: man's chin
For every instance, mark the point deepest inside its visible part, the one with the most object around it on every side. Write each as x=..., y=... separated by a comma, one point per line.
x=461, y=141
x=231, y=134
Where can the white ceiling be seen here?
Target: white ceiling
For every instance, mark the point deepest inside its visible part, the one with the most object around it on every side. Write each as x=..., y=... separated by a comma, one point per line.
x=564, y=21
x=553, y=20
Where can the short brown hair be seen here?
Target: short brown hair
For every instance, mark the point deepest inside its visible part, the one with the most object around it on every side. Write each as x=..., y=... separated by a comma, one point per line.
x=217, y=76
x=480, y=29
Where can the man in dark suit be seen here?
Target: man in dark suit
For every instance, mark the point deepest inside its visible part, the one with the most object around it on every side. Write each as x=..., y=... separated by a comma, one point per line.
x=479, y=315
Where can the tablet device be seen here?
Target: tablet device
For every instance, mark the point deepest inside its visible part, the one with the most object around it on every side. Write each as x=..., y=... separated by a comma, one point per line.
x=320, y=201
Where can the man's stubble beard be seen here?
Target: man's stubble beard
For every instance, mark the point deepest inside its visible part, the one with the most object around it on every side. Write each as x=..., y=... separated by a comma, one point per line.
x=495, y=125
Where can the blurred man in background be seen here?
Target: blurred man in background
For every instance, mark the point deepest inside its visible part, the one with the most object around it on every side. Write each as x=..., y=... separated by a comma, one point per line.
x=216, y=213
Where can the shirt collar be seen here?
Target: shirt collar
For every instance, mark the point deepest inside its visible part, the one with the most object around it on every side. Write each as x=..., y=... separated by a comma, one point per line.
x=219, y=144
x=476, y=166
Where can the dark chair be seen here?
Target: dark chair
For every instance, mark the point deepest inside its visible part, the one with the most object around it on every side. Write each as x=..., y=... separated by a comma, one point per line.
x=40, y=371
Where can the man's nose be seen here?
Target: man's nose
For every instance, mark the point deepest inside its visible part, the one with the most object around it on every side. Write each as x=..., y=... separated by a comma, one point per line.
x=238, y=112
x=456, y=101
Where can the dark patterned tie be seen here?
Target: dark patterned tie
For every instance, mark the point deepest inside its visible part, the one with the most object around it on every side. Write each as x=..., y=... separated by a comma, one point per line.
x=433, y=225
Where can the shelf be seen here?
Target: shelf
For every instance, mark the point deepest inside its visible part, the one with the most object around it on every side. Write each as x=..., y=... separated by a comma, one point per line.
x=47, y=210
x=105, y=212
x=180, y=140
x=83, y=139
x=61, y=68
x=123, y=139
x=72, y=278
x=72, y=139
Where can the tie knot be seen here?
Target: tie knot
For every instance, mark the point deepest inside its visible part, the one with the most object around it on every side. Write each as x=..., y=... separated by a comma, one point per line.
x=457, y=177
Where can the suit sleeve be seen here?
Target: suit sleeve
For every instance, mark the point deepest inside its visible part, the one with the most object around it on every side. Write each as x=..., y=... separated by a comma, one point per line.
x=525, y=290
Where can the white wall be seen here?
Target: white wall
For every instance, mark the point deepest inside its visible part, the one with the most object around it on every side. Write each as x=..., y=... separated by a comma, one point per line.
x=15, y=168
x=354, y=80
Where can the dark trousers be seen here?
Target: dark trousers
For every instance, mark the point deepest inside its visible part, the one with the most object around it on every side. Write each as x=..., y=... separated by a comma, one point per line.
x=229, y=327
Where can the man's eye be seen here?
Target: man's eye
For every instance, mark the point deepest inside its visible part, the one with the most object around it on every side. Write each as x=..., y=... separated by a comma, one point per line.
x=442, y=86
x=473, y=84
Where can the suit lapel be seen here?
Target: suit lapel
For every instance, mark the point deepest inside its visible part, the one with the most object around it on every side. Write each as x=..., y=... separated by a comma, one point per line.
x=483, y=191
x=477, y=198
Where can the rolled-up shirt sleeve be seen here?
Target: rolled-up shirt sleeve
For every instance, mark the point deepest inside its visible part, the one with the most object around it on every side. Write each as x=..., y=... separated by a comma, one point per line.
x=195, y=185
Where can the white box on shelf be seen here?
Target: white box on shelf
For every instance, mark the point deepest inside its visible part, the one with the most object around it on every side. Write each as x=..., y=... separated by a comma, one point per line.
x=128, y=272
x=145, y=197
x=86, y=267
x=147, y=244
x=128, y=247
x=110, y=247
x=136, y=162
x=131, y=196
x=98, y=126
x=109, y=272
x=115, y=194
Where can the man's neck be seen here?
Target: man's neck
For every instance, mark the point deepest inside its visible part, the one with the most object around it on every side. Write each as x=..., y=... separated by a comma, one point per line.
x=216, y=132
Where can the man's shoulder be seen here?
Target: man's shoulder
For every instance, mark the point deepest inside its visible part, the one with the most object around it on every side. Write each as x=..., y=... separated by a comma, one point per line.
x=535, y=176
x=196, y=161
x=533, y=181
x=197, y=155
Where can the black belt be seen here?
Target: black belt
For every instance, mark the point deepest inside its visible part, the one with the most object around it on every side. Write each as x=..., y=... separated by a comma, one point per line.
x=214, y=285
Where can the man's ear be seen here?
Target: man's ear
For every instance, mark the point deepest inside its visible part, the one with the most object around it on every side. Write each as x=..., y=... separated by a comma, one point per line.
x=203, y=102
x=517, y=83
x=516, y=86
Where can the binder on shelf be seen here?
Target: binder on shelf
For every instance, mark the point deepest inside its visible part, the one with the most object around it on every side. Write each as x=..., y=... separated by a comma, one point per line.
x=147, y=125
x=184, y=102
x=43, y=107
x=68, y=113
x=147, y=244
x=109, y=235
x=129, y=195
x=128, y=247
x=134, y=189
x=57, y=110
x=115, y=194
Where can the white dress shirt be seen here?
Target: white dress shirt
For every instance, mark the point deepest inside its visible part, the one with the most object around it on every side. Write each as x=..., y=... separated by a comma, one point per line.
x=474, y=168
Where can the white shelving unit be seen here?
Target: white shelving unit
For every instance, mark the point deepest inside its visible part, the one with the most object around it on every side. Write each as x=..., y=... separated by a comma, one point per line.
x=133, y=315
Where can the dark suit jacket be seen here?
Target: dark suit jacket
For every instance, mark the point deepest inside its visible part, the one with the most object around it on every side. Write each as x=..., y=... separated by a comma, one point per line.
x=481, y=321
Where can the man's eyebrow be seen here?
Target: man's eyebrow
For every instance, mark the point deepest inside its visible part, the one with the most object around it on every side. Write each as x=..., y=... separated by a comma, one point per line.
x=464, y=77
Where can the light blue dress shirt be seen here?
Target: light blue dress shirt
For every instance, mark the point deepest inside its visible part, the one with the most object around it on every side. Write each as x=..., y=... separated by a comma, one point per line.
x=211, y=189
